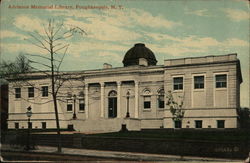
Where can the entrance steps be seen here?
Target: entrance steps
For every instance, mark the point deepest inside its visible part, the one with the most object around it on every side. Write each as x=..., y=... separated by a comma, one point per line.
x=105, y=124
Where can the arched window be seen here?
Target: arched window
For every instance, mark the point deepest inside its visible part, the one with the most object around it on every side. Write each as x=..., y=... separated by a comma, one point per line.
x=69, y=95
x=160, y=98
x=147, y=99
x=81, y=94
x=112, y=104
x=112, y=93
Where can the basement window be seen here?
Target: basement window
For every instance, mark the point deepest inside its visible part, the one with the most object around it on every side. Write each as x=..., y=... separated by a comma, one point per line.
x=177, y=124
x=43, y=125
x=16, y=125
x=198, y=124
x=220, y=123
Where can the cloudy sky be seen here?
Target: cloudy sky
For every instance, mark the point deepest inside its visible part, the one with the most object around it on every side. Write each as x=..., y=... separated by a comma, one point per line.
x=171, y=29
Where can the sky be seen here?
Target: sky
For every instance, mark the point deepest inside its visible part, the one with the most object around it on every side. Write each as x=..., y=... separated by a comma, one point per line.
x=170, y=28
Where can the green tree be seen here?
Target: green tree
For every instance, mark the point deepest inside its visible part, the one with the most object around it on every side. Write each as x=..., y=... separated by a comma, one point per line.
x=244, y=117
x=176, y=108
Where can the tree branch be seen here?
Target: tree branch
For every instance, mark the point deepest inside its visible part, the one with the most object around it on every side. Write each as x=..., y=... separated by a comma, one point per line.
x=39, y=41
x=62, y=58
x=40, y=56
x=40, y=63
x=58, y=29
x=61, y=48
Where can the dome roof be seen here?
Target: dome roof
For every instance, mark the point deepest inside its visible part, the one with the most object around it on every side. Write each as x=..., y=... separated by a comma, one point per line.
x=139, y=51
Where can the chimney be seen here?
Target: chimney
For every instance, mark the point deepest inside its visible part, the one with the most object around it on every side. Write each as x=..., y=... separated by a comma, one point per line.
x=106, y=66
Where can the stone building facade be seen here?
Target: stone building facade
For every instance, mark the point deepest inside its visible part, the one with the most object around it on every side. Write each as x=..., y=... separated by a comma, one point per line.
x=135, y=95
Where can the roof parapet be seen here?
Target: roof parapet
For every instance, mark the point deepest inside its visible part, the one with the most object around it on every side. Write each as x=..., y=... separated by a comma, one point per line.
x=205, y=59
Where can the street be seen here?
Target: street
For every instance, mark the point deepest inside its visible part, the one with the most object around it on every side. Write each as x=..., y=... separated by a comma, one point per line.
x=30, y=156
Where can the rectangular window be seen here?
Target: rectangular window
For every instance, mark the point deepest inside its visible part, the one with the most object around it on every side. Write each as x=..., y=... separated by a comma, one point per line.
x=81, y=105
x=16, y=125
x=45, y=91
x=18, y=92
x=147, y=102
x=178, y=83
x=177, y=124
x=69, y=107
x=43, y=125
x=220, y=123
x=198, y=124
x=161, y=101
x=198, y=82
x=31, y=92
x=221, y=81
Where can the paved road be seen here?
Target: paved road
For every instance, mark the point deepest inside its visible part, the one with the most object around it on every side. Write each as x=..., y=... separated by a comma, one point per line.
x=74, y=154
x=25, y=156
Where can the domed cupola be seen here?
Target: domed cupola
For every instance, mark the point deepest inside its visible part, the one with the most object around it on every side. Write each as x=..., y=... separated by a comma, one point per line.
x=139, y=55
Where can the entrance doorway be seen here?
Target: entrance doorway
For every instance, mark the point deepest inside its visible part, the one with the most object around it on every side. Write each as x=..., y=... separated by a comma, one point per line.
x=112, y=104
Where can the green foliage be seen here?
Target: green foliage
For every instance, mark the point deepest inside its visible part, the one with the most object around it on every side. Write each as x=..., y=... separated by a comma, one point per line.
x=244, y=117
x=175, y=107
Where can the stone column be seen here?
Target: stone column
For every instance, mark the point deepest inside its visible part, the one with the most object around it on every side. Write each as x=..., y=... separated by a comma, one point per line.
x=136, y=99
x=102, y=99
x=119, y=99
x=87, y=101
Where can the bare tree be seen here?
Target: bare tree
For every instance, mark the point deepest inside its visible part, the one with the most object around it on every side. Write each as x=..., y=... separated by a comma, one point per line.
x=21, y=65
x=54, y=41
x=176, y=108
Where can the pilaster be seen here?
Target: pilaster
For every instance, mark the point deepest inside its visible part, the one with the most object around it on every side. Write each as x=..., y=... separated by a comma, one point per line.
x=136, y=99
x=119, y=99
x=87, y=101
x=102, y=99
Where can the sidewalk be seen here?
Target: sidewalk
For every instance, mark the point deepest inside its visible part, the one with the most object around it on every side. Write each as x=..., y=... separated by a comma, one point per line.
x=119, y=155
